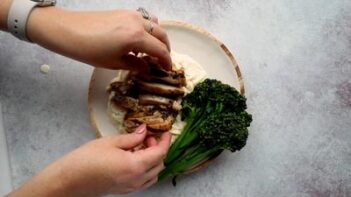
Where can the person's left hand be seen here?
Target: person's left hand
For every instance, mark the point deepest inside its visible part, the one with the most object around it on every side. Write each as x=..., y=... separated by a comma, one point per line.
x=103, y=166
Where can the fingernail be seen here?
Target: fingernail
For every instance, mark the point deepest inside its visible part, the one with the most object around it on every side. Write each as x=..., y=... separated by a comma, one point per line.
x=141, y=129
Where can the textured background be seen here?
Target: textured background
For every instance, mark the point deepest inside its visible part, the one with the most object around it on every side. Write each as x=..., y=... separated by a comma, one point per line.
x=295, y=57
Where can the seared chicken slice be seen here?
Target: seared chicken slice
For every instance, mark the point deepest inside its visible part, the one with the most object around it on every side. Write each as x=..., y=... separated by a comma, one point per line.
x=166, y=125
x=156, y=121
x=149, y=99
x=120, y=80
x=141, y=114
x=173, y=77
x=130, y=126
x=126, y=102
x=147, y=120
x=160, y=89
x=122, y=87
x=172, y=80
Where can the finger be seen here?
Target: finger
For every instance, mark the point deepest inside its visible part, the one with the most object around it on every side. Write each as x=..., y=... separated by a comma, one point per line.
x=154, y=171
x=165, y=141
x=154, y=19
x=159, y=33
x=151, y=141
x=149, y=183
x=154, y=47
x=129, y=141
x=151, y=156
x=131, y=62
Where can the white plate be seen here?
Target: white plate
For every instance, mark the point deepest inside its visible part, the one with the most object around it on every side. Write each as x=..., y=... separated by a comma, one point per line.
x=185, y=39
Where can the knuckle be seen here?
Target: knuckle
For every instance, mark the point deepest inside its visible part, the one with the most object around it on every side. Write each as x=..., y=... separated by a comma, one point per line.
x=135, y=15
x=136, y=35
x=164, y=52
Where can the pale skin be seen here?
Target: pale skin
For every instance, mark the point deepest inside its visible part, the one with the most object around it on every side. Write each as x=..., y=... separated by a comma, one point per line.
x=101, y=39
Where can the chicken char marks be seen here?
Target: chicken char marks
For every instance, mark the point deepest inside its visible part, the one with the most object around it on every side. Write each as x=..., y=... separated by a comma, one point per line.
x=153, y=101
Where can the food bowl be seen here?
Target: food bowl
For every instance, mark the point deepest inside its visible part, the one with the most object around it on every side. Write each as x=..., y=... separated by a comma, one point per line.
x=187, y=39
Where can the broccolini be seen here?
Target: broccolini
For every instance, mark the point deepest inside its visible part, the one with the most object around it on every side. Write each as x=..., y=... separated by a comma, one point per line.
x=215, y=119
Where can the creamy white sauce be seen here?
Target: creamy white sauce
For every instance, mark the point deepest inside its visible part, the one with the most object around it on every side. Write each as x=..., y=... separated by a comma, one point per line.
x=194, y=74
x=44, y=69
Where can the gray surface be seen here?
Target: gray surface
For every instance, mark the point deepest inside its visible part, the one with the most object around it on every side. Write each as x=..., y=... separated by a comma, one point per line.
x=5, y=172
x=295, y=57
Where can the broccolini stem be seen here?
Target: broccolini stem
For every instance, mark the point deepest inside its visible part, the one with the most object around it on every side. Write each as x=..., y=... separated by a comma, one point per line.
x=184, y=133
x=181, y=147
x=182, y=165
x=188, y=153
x=184, y=139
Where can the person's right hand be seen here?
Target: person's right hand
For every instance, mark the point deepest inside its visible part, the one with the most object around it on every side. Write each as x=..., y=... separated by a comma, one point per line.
x=103, y=166
x=100, y=38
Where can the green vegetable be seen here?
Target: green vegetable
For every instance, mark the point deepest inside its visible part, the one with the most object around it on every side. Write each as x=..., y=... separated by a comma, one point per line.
x=215, y=119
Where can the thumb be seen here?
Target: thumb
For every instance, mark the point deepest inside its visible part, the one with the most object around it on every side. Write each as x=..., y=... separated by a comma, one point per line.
x=131, y=140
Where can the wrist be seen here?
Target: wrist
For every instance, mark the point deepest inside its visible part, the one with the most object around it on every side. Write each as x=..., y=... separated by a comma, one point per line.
x=51, y=28
x=4, y=9
x=43, y=23
x=72, y=179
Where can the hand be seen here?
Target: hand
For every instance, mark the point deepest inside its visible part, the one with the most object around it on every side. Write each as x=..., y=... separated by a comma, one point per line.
x=103, y=166
x=102, y=39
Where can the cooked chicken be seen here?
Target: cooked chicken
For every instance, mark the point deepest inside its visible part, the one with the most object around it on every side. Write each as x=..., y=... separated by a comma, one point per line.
x=174, y=77
x=155, y=121
x=130, y=126
x=149, y=100
x=178, y=81
x=152, y=119
x=160, y=89
x=120, y=81
x=121, y=87
x=166, y=125
x=126, y=102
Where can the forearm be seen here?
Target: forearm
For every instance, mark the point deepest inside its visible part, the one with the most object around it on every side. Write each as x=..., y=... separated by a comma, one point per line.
x=47, y=183
x=4, y=9
x=64, y=177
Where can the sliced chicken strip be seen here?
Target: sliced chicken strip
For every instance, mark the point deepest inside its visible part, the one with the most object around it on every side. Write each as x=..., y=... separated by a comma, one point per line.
x=130, y=126
x=147, y=120
x=120, y=79
x=126, y=102
x=176, y=81
x=160, y=89
x=123, y=87
x=149, y=99
x=166, y=125
x=140, y=114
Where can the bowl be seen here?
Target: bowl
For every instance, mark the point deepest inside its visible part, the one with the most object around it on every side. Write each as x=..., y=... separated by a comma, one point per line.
x=187, y=39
